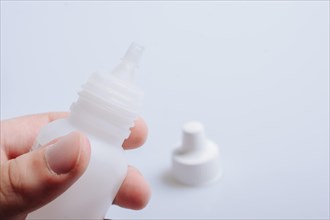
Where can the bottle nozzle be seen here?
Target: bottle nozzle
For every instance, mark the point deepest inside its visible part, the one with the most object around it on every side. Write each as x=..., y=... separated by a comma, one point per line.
x=133, y=54
x=125, y=70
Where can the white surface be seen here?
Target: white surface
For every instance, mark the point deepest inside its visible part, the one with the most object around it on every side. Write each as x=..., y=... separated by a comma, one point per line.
x=255, y=73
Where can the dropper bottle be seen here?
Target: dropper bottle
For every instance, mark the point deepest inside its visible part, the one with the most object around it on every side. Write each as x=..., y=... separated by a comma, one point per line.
x=105, y=111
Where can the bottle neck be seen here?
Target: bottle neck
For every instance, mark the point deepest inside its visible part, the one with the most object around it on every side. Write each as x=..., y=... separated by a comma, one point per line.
x=107, y=107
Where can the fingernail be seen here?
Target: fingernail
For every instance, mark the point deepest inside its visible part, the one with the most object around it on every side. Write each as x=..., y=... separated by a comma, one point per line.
x=62, y=156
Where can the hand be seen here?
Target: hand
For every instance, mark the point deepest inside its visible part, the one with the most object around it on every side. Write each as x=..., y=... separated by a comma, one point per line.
x=29, y=179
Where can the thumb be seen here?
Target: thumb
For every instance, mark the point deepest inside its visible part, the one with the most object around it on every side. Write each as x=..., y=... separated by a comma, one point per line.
x=36, y=178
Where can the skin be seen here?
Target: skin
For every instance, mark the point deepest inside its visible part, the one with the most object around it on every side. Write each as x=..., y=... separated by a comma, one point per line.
x=28, y=182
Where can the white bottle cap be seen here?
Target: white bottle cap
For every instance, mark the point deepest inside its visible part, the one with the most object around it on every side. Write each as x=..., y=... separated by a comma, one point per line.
x=196, y=161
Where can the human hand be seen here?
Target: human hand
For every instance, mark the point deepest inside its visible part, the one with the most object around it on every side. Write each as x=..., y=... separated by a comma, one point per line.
x=30, y=179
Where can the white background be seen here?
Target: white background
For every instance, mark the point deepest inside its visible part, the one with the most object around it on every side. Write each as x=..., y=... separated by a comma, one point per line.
x=255, y=73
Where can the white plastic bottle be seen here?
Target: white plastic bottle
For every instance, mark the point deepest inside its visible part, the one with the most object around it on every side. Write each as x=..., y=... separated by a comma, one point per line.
x=105, y=111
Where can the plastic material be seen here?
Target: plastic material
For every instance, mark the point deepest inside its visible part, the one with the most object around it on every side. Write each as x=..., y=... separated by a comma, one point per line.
x=105, y=111
x=197, y=160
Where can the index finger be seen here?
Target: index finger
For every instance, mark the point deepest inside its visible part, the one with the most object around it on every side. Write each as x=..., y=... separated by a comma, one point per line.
x=18, y=134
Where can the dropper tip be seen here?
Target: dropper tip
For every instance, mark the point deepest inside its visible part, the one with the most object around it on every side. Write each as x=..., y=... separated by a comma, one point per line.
x=129, y=63
x=134, y=53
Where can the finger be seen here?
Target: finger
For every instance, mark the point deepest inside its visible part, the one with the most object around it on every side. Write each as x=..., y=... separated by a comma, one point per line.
x=36, y=178
x=18, y=134
x=135, y=192
x=138, y=135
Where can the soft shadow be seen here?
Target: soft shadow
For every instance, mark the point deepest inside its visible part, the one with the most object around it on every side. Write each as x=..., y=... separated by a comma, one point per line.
x=168, y=178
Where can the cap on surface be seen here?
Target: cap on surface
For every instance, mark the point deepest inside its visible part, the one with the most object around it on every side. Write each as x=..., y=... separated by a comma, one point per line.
x=196, y=161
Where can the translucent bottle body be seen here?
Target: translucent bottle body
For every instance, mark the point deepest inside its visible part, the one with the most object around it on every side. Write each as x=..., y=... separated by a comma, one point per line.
x=93, y=193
